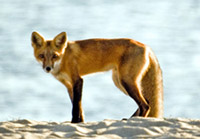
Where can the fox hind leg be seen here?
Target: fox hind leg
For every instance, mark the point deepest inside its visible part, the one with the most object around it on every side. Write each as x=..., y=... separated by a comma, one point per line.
x=135, y=93
x=115, y=77
x=137, y=113
x=119, y=84
x=131, y=72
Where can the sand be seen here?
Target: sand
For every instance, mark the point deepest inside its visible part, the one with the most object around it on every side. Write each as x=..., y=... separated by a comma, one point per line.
x=132, y=128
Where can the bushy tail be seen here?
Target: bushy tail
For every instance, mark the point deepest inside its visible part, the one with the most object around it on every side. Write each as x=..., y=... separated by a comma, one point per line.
x=152, y=88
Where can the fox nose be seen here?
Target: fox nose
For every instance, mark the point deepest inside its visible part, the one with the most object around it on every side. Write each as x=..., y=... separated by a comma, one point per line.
x=48, y=69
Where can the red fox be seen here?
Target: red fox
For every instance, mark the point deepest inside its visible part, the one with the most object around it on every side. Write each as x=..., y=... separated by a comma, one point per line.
x=136, y=71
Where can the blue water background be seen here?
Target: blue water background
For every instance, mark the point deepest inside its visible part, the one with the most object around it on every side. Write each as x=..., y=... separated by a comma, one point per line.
x=170, y=27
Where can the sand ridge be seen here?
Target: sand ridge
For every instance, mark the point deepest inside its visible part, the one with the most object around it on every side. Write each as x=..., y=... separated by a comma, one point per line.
x=133, y=128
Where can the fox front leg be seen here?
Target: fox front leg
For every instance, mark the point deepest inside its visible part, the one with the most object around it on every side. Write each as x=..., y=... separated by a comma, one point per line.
x=77, y=112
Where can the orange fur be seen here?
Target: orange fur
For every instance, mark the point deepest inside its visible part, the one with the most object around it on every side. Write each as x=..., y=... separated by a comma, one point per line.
x=136, y=71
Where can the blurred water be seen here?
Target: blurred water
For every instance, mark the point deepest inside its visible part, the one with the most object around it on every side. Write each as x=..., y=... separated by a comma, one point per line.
x=171, y=28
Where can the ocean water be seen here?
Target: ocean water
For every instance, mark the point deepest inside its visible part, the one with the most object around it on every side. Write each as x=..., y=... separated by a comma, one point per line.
x=171, y=28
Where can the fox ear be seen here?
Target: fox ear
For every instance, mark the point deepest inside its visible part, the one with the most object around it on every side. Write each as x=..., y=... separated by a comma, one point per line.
x=37, y=39
x=60, y=39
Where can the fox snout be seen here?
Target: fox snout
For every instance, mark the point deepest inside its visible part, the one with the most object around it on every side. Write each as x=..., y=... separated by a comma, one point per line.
x=48, y=69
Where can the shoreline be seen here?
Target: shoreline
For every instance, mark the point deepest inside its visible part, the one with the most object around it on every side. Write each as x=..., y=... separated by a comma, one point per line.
x=132, y=128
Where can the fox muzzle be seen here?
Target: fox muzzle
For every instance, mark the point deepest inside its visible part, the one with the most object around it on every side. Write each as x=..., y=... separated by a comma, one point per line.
x=48, y=69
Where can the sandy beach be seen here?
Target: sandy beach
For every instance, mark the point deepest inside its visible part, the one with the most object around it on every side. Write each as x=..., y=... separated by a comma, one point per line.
x=132, y=128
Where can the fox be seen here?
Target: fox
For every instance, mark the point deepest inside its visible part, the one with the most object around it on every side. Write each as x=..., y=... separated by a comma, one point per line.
x=135, y=69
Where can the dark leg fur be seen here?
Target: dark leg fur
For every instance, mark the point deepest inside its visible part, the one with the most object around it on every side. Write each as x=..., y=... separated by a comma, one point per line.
x=137, y=113
x=77, y=95
x=135, y=94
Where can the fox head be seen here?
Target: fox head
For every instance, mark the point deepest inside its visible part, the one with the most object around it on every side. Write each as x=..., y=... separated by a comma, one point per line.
x=49, y=52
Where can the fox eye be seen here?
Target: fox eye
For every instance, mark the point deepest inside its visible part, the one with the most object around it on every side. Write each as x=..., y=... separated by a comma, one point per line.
x=41, y=56
x=55, y=56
